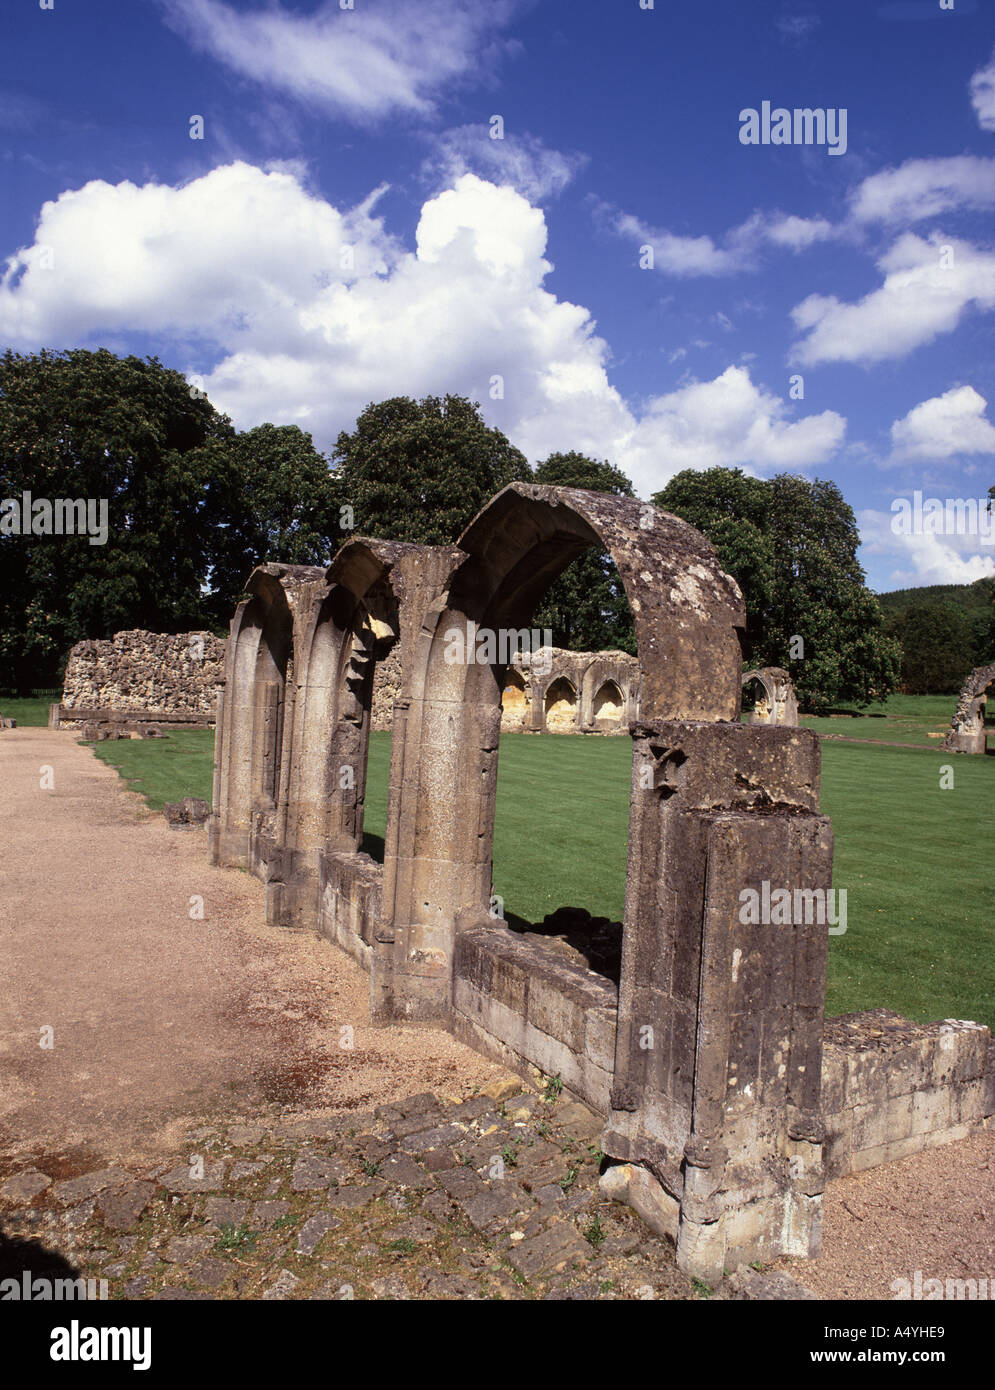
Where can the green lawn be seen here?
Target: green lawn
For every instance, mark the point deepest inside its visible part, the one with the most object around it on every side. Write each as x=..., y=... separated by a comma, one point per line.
x=164, y=769
x=915, y=860
x=899, y=719
x=30, y=714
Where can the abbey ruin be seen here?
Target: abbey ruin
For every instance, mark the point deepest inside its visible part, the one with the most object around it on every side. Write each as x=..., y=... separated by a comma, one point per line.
x=727, y=1098
x=967, y=727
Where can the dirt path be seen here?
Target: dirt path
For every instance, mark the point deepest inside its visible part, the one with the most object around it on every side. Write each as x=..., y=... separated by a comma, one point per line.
x=155, y=1016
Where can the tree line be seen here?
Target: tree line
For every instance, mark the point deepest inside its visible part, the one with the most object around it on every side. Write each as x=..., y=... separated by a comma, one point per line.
x=195, y=504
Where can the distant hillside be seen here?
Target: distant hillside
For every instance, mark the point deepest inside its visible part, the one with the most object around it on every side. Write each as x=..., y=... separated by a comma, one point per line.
x=945, y=631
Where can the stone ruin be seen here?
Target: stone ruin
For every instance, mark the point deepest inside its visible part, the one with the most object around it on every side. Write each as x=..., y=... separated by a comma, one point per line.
x=967, y=727
x=777, y=703
x=139, y=680
x=727, y=1098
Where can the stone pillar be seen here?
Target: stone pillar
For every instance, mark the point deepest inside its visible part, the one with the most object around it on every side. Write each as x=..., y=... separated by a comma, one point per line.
x=715, y=1106
x=53, y=715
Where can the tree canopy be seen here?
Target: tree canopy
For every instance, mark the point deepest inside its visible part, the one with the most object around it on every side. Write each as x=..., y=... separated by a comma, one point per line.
x=421, y=470
x=191, y=504
x=791, y=544
x=586, y=608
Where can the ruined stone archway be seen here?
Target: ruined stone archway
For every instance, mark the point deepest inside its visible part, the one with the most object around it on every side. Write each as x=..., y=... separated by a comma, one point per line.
x=777, y=703
x=515, y=709
x=967, y=727
x=560, y=707
x=609, y=703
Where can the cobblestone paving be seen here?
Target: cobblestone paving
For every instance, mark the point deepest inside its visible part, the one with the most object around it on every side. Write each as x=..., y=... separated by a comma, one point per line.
x=493, y=1196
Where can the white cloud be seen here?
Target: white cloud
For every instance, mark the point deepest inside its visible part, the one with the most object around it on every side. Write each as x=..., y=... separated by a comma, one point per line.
x=925, y=559
x=953, y=423
x=253, y=271
x=922, y=188
x=383, y=57
x=983, y=94
x=739, y=250
x=724, y=422
x=928, y=286
x=521, y=161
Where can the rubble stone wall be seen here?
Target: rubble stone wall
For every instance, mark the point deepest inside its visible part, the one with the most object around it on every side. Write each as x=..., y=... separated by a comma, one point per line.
x=151, y=673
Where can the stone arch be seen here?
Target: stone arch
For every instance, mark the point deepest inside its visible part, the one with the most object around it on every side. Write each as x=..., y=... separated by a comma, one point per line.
x=778, y=704
x=687, y=614
x=560, y=706
x=251, y=724
x=514, y=701
x=609, y=703
x=967, y=727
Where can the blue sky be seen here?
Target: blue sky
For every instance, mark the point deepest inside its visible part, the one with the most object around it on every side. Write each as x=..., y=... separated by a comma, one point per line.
x=618, y=273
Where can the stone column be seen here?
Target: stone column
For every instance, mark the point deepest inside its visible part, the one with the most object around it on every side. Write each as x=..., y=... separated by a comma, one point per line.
x=715, y=1113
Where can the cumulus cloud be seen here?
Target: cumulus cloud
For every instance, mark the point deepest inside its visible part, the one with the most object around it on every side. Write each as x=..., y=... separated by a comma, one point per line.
x=521, y=161
x=922, y=188
x=739, y=250
x=983, y=94
x=724, y=422
x=954, y=423
x=928, y=286
x=925, y=559
x=384, y=57
x=309, y=313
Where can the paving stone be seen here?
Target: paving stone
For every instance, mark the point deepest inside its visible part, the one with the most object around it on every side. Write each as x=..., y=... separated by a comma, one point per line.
x=79, y=1215
x=211, y=1271
x=550, y=1251
x=181, y=1179
x=770, y=1286
x=313, y=1229
x=417, y=1105
x=417, y=1229
x=182, y=1249
x=265, y=1214
x=332, y=1292
x=549, y=1195
x=437, y=1204
x=122, y=1208
x=578, y=1199
x=282, y=1287
x=356, y=1196
x=503, y=1089
x=575, y=1119
x=438, y=1160
x=137, y=1287
x=89, y=1184
x=391, y=1288
x=574, y=1292
x=112, y=1271
x=469, y=1110
x=249, y=1168
x=174, y=1295
x=25, y=1186
x=487, y=1210
x=440, y=1137
x=224, y=1211
x=313, y=1172
x=522, y=1107
x=461, y=1183
x=401, y=1170
x=245, y=1136
x=489, y=1123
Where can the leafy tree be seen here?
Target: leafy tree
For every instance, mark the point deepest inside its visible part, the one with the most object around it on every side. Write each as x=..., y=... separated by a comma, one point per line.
x=586, y=608
x=421, y=470
x=185, y=496
x=792, y=546
x=936, y=647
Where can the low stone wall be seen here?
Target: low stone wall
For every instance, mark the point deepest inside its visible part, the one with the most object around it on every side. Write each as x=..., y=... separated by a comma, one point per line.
x=162, y=677
x=350, y=901
x=891, y=1087
x=525, y=1007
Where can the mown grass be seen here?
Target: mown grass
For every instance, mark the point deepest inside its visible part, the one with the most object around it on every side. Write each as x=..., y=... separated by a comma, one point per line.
x=30, y=714
x=164, y=769
x=915, y=859
x=899, y=719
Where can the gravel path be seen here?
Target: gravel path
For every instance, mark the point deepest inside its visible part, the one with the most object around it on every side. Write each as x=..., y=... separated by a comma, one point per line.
x=157, y=1017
